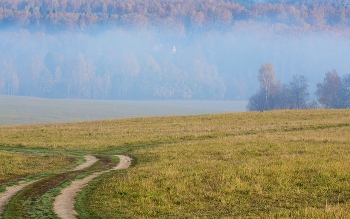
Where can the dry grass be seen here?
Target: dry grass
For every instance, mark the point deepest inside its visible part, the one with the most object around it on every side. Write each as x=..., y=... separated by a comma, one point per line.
x=16, y=165
x=255, y=177
x=280, y=164
x=148, y=130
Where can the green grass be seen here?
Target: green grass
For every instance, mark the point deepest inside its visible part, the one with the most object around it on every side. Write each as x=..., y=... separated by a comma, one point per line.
x=278, y=164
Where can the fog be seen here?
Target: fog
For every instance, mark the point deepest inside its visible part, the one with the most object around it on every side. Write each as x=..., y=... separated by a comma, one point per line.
x=156, y=64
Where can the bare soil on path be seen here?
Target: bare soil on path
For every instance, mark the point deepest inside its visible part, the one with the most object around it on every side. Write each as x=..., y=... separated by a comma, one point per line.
x=64, y=203
x=89, y=160
x=11, y=191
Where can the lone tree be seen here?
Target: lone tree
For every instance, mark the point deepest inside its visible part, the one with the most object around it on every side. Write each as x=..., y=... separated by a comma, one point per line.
x=298, y=92
x=329, y=92
x=265, y=98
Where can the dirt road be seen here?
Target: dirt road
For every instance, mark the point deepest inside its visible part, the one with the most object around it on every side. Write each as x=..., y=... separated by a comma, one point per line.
x=89, y=160
x=64, y=203
x=11, y=191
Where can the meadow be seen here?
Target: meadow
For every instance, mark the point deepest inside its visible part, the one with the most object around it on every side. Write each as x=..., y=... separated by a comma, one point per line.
x=276, y=164
x=18, y=110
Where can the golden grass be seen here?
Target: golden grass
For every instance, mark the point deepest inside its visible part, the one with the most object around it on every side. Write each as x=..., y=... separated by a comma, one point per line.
x=229, y=177
x=148, y=130
x=279, y=164
x=288, y=166
x=16, y=165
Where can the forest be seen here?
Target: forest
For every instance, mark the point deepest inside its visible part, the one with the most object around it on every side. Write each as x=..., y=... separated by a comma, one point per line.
x=182, y=16
x=169, y=49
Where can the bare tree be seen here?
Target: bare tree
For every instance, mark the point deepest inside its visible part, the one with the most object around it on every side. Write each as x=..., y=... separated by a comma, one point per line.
x=257, y=101
x=298, y=92
x=267, y=95
x=329, y=91
x=285, y=99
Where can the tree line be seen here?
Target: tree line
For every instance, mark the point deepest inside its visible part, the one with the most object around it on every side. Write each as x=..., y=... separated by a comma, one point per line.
x=118, y=64
x=332, y=93
x=178, y=16
x=111, y=76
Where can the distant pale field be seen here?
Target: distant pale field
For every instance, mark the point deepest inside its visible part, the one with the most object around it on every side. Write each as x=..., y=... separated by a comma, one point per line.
x=16, y=110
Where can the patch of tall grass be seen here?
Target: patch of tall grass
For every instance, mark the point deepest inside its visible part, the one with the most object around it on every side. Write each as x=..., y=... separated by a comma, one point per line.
x=17, y=165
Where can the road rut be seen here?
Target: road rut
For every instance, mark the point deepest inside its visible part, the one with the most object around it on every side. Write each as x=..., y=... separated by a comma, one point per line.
x=11, y=191
x=64, y=203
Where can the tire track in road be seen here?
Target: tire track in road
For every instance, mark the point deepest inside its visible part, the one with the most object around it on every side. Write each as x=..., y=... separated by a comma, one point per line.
x=11, y=191
x=64, y=203
x=89, y=160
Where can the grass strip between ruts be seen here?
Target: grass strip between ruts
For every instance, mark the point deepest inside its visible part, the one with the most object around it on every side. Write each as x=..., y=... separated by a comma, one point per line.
x=35, y=201
x=81, y=204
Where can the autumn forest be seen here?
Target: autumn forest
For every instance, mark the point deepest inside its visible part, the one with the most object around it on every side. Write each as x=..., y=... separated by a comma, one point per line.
x=167, y=49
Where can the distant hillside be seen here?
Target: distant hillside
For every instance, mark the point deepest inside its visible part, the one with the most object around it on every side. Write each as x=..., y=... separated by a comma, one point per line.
x=176, y=15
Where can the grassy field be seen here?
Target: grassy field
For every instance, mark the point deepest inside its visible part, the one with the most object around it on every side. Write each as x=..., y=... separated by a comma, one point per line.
x=16, y=110
x=278, y=164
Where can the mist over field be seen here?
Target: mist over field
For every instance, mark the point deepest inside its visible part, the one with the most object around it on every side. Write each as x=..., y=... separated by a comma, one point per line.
x=118, y=64
x=167, y=50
